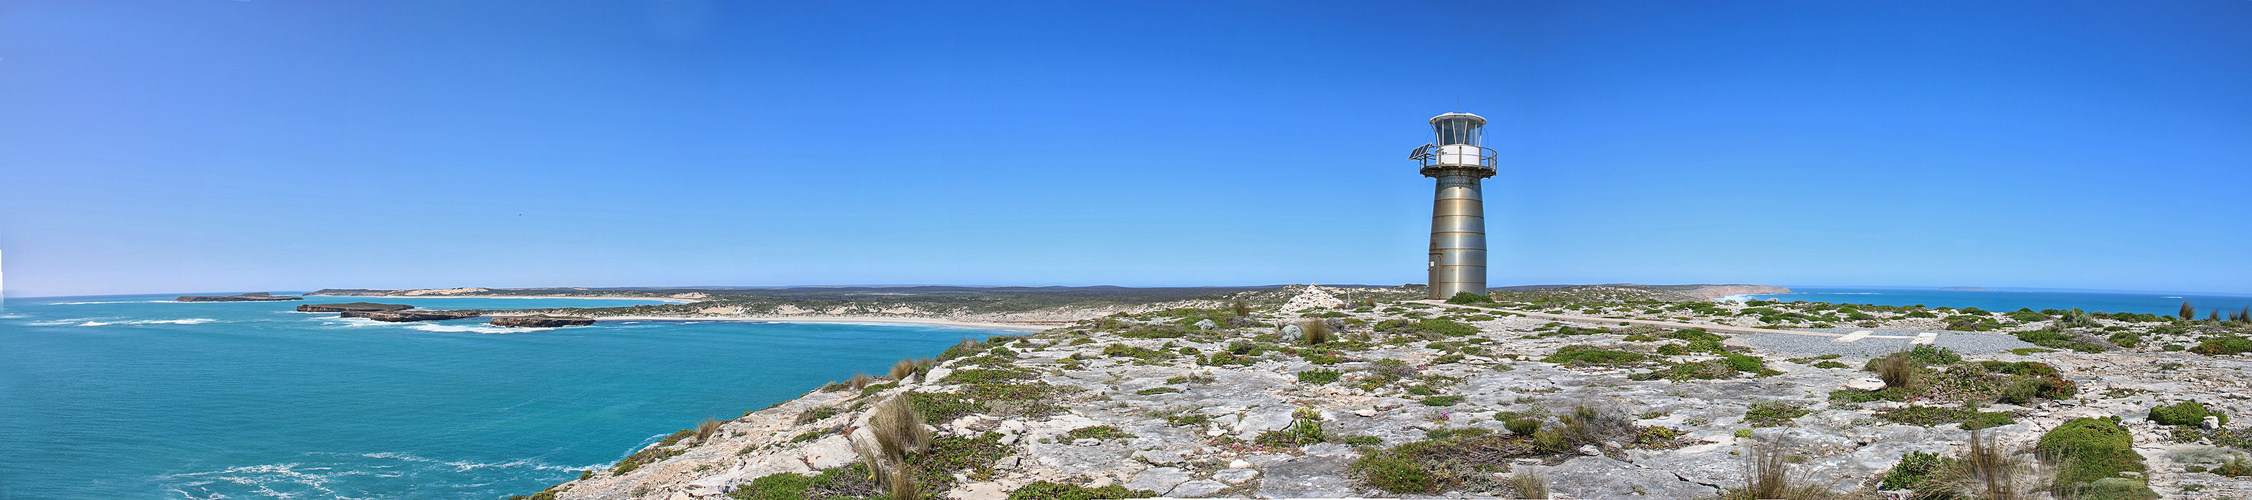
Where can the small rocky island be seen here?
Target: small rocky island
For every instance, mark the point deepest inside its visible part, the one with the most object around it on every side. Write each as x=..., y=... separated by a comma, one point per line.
x=407, y=316
x=353, y=307
x=540, y=321
x=247, y=297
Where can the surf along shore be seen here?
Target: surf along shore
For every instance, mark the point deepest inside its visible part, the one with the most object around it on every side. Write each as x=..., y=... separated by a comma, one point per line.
x=1305, y=393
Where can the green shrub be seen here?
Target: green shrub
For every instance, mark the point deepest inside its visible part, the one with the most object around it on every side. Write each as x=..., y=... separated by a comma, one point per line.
x=1591, y=354
x=2184, y=413
x=1921, y=472
x=2216, y=346
x=1393, y=474
x=1446, y=327
x=1551, y=440
x=1933, y=356
x=982, y=376
x=1157, y=390
x=1467, y=298
x=1523, y=426
x=2059, y=340
x=1442, y=400
x=1671, y=349
x=2235, y=467
x=1773, y=413
x=1044, y=490
x=2089, y=449
x=1102, y=432
x=1319, y=376
x=1982, y=420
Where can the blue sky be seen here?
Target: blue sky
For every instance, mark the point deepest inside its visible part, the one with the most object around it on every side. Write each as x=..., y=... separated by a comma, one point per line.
x=209, y=146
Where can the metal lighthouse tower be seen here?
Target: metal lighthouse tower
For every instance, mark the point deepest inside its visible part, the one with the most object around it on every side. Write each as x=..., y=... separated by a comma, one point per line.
x=1458, y=214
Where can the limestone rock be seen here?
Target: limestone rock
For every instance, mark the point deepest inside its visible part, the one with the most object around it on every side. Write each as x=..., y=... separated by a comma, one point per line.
x=2211, y=423
x=1206, y=324
x=1599, y=477
x=540, y=321
x=1159, y=457
x=828, y=452
x=1865, y=384
x=1158, y=479
x=407, y=316
x=1197, y=488
x=1235, y=476
x=1291, y=333
x=1313, y=297
x=352, y=306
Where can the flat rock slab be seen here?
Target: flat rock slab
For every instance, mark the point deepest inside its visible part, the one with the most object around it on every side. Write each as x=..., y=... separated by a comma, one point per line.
x=1159, y=479
x=1197, y=488
x=1602, y=478
x=1307, y=477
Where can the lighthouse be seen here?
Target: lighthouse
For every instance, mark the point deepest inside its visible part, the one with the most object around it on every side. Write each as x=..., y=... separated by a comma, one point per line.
x=1458, y=214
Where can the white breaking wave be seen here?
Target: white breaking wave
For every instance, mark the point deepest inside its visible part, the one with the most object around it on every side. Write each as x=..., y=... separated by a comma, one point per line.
x=115, y=302
x=189, y=321
x=464, y=466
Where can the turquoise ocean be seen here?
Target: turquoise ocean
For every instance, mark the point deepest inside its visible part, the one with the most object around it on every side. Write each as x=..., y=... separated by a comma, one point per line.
x=2010, y=300
x=142, y=397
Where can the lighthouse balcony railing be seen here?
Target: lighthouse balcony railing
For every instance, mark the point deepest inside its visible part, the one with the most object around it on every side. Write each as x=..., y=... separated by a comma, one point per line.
x=1454, y=155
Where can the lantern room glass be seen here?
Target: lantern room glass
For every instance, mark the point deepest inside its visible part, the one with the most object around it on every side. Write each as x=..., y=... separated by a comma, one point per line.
x=1458, y=130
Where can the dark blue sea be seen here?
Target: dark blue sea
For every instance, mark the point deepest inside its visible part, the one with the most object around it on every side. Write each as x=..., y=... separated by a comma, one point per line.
x=142, y=397
x=2011, y=300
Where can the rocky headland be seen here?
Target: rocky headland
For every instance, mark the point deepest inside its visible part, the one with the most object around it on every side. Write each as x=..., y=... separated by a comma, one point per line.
x=409, y=316
x=539, y=321
x=246, y=297
x=352, y=307
x=1304, y=393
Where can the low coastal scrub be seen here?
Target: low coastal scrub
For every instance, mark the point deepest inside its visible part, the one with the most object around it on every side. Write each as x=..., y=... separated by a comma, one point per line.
x=1044, y=490
x=2090, y=454
x=1591, y=355
x=2061, y=340
x=2226, y=345
x=1773, y=413
x=1319, y=376
x=2184, y=413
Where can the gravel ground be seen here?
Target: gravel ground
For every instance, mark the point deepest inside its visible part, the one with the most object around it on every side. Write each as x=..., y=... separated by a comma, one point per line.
x=1960, y=342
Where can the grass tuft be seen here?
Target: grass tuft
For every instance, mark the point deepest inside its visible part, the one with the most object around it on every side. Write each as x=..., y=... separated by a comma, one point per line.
x=1767, y=476
x=1529, y=483
x=706, y=428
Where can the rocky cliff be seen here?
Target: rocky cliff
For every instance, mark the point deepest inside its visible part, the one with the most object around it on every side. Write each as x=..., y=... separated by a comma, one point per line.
x=407, y=316
x=352, y=306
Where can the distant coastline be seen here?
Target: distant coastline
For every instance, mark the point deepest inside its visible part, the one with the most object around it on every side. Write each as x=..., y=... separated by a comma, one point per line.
x=891, y=320
x=413, y=297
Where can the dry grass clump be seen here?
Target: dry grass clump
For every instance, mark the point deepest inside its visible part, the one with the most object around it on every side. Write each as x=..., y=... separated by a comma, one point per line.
x=1896, y=370
x=1240, y=308
x=706, y=428
x=1767, y=476
x=860, y=380
x=1529, y=483
x=910, y=367
x=1989, y=473
x=1317, y=332
x=897, y=430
